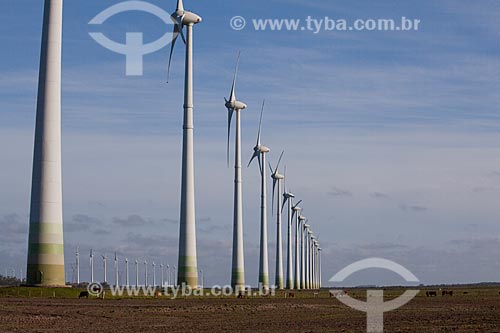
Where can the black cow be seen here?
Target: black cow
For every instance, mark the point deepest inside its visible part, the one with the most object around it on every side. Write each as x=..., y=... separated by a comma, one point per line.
x=84, y=294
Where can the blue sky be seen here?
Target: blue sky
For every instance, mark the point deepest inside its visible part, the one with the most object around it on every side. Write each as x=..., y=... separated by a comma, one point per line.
x=390, y=138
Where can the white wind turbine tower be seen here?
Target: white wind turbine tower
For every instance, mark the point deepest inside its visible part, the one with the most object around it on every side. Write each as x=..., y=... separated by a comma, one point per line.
x=188, y=265
x=168, y=275
x=45, y=264
x=91, y=266
x=260, y=152
x=127, y=281
x=116, y=271
x=295, y=213
x=311, y=254
x=77, y=266
x=303, y=221
x=308, y=257
x=316, y=265
x=104, y=262
x=319, y=267
x=287, y=198
x=154, y=274
x=238, y=262
x=136, y=273
x=145, y=273
x=162, y=275
x=277, y=178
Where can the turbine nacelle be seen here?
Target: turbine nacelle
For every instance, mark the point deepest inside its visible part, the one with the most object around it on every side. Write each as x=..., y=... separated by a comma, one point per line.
x=288, y=195
x=189, y=18
x=277, y=176
x=235, y=105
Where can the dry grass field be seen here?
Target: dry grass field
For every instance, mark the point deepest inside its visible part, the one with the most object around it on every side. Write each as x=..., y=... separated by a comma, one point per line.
x=468, y=310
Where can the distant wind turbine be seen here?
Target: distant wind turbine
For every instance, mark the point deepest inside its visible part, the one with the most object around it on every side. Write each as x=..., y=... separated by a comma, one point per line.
x=77, y=266
x=277, y=178
x=287, y=198
x=91, y=266
x=303, y=222
x=116, y=271
x=260, y=152
x=127, y=281
x=188, y=265
x=154, y=274
x=104, y=262
x=136, y=273
x=238, y=262
x=162, y=275
x=145, y=273
x=295, y=213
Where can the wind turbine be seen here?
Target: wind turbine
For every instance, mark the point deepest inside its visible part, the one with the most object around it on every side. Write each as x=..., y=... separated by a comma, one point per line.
x=154, y=274
x=91, y=266
x=104, y=262
x=136, y=273
x=127, y=281
x=277, y=178
x=77, y=266
x=311, y=268
x=260, y=152
x=295, y=213
x=316, y=264
x=287, y=198
x=116, y=271
x=303, y=222
x=168, y=276
x=46, y=221
x=319, y=268
x=238, y=263
x=188, y=271
x=162, y=275
x=145, y=273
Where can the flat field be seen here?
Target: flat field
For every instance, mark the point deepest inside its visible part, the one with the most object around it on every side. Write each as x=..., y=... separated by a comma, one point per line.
x=35, y=310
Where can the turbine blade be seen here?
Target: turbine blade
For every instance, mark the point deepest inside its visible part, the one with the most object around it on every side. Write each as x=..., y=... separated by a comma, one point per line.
x=274, y=187
x=229, y=118
x=284, y=180
x=260, y=122
x=174, y=39
x=180, y=27
x=260, y=166
x=180, y=6
x=255, y=154
x=284, y=202
x=279, y=161
x=232, y=97
x=297, y=204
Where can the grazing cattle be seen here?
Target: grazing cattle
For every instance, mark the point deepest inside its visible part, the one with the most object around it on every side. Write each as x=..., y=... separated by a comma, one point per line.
x=315, y=295
x=84, y=294
x=241, y=295
x=446, y=292
x=431, y=293
x=291, y=295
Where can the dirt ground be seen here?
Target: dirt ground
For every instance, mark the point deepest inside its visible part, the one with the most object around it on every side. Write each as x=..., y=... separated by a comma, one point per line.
x=460, y=313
